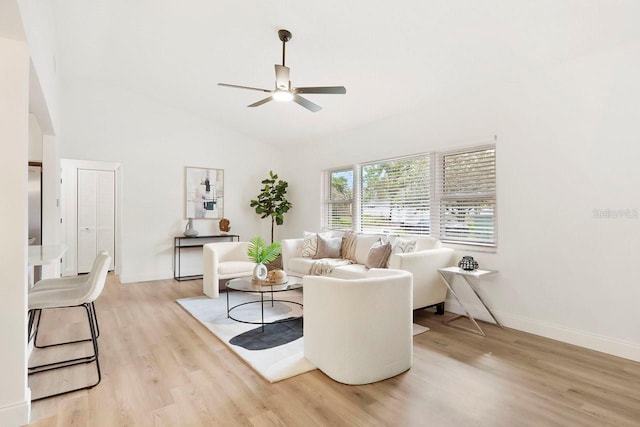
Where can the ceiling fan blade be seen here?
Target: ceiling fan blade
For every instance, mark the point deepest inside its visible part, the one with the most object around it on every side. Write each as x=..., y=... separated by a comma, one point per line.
x=340, y=90
x=282, y=77
x=244, y=87
x=259, y=103
x=306, y=103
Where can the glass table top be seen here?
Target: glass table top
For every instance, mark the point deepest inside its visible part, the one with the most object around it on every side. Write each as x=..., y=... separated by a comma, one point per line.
x=244, y=284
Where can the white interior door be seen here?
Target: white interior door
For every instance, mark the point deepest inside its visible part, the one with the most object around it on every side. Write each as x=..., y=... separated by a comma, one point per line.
x=96, y=216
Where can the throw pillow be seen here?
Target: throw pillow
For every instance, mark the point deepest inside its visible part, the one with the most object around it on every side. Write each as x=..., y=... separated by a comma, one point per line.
x=378, y=255
x=328, y=247
x=309, y=245
x=403, y=246
x=348, y=250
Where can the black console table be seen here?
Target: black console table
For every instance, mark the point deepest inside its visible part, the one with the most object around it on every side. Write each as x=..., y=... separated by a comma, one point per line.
x=194, y=246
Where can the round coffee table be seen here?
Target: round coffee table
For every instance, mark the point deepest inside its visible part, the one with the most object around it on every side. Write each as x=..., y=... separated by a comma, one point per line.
x=244, y=284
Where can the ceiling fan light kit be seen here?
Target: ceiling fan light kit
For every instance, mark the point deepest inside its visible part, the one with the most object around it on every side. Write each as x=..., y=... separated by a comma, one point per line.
x=283, y=91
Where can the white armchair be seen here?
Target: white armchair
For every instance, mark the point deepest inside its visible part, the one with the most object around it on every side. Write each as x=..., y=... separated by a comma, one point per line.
x=359, y=331
x=224, y=260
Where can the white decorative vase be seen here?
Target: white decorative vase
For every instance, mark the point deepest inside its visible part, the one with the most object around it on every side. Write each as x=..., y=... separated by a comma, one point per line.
x=260, y=272
x=189, y=231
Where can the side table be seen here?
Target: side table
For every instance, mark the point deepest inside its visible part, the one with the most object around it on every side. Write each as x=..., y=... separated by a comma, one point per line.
x=448, y=274
x=194, y=245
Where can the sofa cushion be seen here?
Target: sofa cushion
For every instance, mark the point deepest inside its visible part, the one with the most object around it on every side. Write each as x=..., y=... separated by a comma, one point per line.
x=363, y=244
x=328, y=247
x=300, y=265
x=235, y=267
x=352, y=271
x=378, y=255
x=426, y=242
x=348, y=250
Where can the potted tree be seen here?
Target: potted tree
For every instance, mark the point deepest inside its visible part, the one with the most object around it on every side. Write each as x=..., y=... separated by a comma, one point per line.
x=271, y=202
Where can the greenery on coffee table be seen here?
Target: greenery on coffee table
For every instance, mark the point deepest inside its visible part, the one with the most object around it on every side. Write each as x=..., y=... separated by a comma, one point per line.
x=260, y=252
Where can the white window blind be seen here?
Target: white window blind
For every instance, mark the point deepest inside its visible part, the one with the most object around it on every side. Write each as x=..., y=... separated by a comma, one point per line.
x=450, y=196
x=339, y=205
x=467, y=196
x=395, y=196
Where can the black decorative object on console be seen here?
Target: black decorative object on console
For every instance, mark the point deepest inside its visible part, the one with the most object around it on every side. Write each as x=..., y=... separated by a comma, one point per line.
x=467, y=263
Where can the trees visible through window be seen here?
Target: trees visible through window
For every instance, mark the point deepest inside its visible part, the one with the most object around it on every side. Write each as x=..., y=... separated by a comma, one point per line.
x=468, y=196
x=449, y=195
x=395, y=196
x=340, y=203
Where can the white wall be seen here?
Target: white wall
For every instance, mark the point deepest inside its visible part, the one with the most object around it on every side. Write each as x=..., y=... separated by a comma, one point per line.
x=14, y=86
x=154, y=143
x=37, y=18
x=35, y=139
x=567, y=144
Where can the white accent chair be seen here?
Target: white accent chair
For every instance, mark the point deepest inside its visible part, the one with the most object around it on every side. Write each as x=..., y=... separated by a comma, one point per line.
x=224, y=260
x=359, y=331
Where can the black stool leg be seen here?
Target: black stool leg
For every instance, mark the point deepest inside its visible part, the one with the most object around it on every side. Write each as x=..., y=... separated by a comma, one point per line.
x=65, y=364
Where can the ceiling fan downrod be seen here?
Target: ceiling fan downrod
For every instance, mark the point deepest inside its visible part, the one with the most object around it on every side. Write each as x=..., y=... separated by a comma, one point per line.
x=285, y=36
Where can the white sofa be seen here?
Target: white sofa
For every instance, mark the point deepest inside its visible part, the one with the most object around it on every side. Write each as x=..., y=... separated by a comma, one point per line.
x=428, y=287
x=366, y=335
x=224, y=260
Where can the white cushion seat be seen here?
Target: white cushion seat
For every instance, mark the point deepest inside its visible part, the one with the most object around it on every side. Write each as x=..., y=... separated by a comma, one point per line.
x=235, y=267
x=301, y=265
x=351, y=271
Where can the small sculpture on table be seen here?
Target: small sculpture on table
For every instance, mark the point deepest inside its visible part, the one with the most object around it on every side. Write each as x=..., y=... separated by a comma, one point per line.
x=467, y=263
x=225, y=226
x=277, y=277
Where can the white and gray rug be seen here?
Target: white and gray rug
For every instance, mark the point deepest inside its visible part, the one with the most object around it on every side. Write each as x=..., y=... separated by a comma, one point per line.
x=278, y=352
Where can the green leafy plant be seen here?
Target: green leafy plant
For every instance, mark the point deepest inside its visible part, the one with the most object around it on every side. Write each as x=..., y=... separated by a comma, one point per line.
x=261, y=253
x=271, y=202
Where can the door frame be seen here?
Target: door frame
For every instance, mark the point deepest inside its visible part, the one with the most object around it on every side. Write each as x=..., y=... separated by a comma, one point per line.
x=69, y=199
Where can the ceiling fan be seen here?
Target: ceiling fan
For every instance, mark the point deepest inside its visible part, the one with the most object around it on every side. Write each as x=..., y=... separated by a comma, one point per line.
x=283, y=90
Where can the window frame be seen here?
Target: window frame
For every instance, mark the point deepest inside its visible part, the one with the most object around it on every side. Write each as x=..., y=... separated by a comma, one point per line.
x=436, y=193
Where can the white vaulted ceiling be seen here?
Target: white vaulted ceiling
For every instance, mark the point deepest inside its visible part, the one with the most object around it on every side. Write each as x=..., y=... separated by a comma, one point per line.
x=393, y=57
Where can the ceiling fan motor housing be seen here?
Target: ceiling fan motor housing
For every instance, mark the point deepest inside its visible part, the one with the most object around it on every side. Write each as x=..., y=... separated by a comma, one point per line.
x=285, y=35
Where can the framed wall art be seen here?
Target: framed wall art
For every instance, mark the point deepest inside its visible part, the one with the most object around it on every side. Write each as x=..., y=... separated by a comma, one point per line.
x=204, y=193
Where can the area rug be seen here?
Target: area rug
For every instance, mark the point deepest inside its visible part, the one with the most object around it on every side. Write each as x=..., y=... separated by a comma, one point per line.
x=274, y=363
x=277, y=353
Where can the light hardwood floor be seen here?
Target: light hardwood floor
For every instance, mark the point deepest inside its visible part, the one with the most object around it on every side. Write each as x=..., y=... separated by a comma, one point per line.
x=161, y=367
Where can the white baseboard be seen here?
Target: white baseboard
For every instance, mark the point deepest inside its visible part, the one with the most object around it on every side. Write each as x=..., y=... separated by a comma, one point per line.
x=602, y=343
x=16, y=414
x=145, y=277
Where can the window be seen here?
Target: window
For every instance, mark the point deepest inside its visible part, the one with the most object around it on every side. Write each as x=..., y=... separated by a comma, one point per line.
x=340, y=200
x=467, y=196
x=450, y=196
x=395, y=196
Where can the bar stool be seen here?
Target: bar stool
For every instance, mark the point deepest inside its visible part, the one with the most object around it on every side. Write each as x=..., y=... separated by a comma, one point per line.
x=63, y=283
x=77, y=296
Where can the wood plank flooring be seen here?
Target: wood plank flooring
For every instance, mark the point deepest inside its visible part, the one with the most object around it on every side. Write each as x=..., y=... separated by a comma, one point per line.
x=162, y=368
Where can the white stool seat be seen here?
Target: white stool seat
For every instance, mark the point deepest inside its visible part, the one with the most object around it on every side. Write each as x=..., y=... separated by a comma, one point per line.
x=65, y=293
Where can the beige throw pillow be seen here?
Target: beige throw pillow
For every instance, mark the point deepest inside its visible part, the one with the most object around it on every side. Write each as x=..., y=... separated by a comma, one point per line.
x=378, y=255
x=328, y=247
x=348, y=250
x=310, y=244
